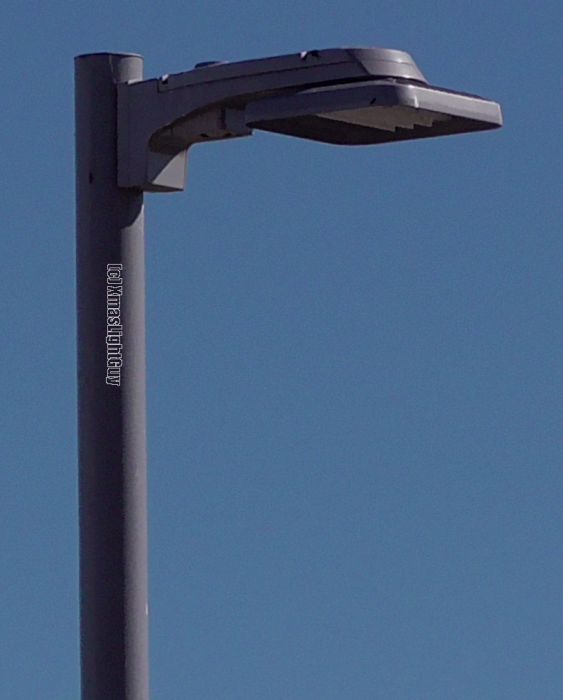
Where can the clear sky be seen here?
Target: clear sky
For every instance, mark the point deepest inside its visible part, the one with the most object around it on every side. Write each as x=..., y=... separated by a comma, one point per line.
x=355, y=370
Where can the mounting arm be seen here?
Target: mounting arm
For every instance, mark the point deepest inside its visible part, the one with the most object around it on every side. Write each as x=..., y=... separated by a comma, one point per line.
x=159, y=119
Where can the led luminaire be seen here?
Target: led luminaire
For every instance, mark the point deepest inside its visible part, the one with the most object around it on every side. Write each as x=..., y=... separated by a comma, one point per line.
x=372, y=112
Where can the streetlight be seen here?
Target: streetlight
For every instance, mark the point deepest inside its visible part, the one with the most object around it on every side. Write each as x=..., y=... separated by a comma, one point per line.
x=133, y=136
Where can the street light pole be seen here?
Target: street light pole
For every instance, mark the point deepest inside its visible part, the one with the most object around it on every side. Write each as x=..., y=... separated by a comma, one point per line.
x=111, y=393
x=133, y=136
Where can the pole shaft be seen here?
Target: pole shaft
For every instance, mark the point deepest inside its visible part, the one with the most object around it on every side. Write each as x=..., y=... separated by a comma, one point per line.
x=111, y=417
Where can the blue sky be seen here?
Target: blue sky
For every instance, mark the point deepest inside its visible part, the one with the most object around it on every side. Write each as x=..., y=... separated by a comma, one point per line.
x=355, y=379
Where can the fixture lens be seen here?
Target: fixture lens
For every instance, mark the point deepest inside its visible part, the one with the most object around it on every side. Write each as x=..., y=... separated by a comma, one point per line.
x=387, y=118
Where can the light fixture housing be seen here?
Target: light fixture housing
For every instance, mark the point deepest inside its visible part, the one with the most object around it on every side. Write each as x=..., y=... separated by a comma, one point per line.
x=338, y=96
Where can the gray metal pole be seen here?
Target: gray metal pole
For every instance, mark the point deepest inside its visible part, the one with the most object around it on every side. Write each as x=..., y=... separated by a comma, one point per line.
x=111, y=394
